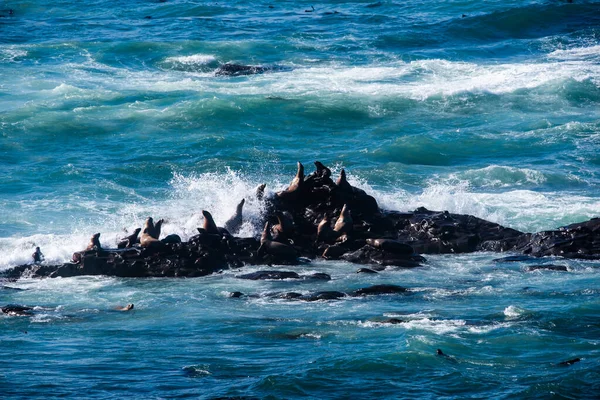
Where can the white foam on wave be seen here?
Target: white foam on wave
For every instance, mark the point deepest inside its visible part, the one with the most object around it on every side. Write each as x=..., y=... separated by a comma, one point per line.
x=525, y=210
x=512, y=312
x=218, y=193
x=193, y=60
x=578, y=53
x=417, y=80
x=11, y=54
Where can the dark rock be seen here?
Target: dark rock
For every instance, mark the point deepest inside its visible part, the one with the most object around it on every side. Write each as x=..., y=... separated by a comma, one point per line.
x=263, y=275
x=329, y=295
x=393, y=321
x=288, y=295
x=581, y=240
x=11, y=288
x=519, y=258
x=17, y=310
x=548, y=267
x=171, y=239
x=318, y=276
x=379, y=289
x=365, y=271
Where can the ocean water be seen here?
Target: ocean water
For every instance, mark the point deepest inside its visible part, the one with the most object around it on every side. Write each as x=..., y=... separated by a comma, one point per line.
x=111, y=112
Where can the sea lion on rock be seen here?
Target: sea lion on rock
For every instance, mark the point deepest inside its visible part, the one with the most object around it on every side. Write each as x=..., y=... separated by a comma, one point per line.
x=344, y=222
x=276, y=249
x=209, y=224
x=342, y=182
x=129, y=241
x=324, y=231
x=94, y=243
x=284, y=229
x=157, y=228
x=322, y=170
x=234, y=223
x=147, y=239
x=334, y=252
x=393, y=246
x=296, y=186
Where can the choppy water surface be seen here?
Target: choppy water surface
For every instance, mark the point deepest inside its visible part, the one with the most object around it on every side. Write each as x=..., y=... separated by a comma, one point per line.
x=108, y=116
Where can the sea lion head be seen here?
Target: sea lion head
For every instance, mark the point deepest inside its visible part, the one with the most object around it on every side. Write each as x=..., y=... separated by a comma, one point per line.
x=149, y=226
x=209, y=223
x=260, y=191
x=240, y=206
x=342, y=181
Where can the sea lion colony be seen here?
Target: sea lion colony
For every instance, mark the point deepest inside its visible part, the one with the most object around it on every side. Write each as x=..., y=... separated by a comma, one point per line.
x=315, y=217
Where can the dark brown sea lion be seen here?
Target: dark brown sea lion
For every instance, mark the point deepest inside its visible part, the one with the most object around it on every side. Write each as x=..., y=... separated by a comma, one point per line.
x=277, y=249
x=147, y=239
x=342, y=183
x=322, y=170
x=293, y=191
x=344, y=223
x=284, y=229
x=129, y=241
x=209, y=225
x=94, y=243
x=157, y=228
x=324, y=231
x=234, y=223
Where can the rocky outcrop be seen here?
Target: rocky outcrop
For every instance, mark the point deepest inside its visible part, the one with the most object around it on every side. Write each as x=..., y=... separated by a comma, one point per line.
x=316, y=217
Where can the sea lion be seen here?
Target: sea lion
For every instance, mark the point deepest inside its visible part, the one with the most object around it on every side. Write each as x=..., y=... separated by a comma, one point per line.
x=569, y=362
x=277, y=249
x=260, y=191
x=284, y=229
x=157, y=228
x=322, y=170
x=342, y=182
x=324, y=231
x=440, y=353
x=94, y=243
x=293, y=191
x=37, y=256
x=234, y=223
x=129, y=241
x=126, y=308
x=147, y=239
x=344, y=223
x=393, y=246
x=209, y=225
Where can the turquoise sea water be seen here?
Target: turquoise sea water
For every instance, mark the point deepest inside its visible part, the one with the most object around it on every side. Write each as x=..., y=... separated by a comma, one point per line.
x=107, y=116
